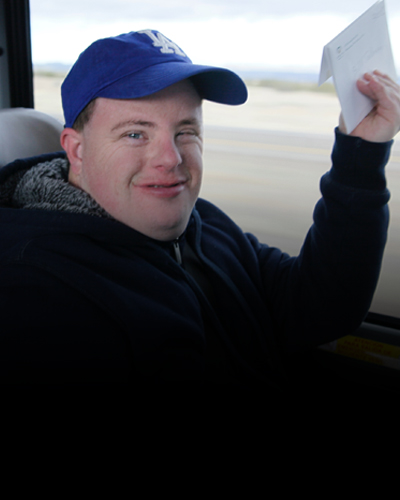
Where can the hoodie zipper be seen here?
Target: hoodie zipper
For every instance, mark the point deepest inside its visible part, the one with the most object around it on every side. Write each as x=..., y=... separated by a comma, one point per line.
x=177, y=250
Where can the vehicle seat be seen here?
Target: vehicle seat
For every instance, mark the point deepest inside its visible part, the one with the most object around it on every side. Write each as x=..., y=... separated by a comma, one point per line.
x=25, y=132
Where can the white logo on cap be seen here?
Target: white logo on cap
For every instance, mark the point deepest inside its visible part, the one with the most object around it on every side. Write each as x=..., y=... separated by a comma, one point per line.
x=166, y=46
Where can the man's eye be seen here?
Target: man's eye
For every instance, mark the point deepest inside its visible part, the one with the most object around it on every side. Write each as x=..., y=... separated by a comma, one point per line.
x=135, y=135
x=188, y=132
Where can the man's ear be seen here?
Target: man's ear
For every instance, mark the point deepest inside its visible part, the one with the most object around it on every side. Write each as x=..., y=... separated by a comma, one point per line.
x=71, y=142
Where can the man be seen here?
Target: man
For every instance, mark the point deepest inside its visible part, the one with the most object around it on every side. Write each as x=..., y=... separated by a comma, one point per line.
x=114, y=271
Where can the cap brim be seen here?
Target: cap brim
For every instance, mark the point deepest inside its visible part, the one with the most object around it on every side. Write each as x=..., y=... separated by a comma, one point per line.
x=213, y=84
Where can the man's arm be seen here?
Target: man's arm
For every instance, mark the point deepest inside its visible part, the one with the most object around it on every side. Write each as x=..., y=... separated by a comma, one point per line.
x=52, y=334
x=326, y=291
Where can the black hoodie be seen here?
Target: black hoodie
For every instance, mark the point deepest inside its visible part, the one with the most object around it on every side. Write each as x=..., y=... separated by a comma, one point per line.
x=87, y=299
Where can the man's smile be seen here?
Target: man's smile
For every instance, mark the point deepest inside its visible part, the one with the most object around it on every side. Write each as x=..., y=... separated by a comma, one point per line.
x=163, y=189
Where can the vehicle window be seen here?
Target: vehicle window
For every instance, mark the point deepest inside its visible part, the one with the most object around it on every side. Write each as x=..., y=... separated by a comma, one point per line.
x=263, y=160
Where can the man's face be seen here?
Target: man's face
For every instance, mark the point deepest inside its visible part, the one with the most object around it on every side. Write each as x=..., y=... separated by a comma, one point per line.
x=141, y=159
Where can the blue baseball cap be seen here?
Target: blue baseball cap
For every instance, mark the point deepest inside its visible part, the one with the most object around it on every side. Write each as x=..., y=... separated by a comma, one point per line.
x=138, y=64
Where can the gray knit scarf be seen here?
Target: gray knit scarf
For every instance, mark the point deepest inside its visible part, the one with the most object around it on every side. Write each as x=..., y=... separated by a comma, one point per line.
x=46, y=187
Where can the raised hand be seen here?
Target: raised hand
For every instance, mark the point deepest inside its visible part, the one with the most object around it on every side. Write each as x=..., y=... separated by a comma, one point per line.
x=383, y=122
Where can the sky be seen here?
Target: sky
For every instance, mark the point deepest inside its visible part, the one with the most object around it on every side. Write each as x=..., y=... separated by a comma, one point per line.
x=274, y=35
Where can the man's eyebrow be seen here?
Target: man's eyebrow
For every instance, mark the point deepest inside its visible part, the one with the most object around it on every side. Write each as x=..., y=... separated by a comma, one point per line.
x=143, y=123
x=190, y=121
x=129, y=123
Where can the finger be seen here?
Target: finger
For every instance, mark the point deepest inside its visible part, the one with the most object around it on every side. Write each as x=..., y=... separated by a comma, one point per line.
x=383, y=78
x=379, y=73
x=376, y=88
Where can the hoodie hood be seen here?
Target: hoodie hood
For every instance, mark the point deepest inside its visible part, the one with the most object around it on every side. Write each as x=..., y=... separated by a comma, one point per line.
x=45, y=186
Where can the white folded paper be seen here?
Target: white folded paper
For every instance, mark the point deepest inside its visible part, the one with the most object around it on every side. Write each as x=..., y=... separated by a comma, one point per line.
x=364, y=46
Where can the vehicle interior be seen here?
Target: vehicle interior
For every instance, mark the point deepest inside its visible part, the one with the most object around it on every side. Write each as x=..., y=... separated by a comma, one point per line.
x=364, y=364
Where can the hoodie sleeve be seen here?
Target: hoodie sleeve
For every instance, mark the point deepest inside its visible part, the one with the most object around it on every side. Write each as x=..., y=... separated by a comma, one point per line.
x=326, y=291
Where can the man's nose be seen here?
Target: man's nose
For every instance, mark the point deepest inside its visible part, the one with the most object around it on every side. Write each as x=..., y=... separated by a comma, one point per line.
x=167, y=154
